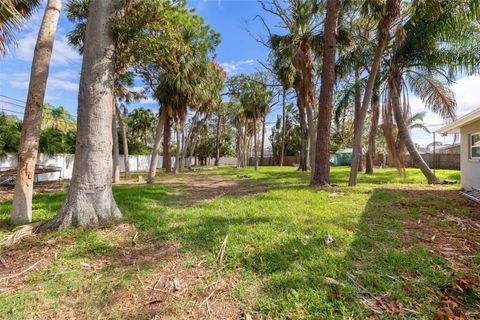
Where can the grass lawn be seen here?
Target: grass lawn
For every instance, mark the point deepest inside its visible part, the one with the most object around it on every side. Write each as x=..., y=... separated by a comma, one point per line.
x=238, y=244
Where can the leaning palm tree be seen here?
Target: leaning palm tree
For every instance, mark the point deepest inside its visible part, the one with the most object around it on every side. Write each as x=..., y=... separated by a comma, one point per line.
x=32, y=122
x=391, y=13
x=13, y=14
x=439, y=40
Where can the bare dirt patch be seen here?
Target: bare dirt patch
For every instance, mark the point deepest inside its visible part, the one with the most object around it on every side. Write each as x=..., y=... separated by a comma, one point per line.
x=454, y=237
x=17, y=264
x=6, y=192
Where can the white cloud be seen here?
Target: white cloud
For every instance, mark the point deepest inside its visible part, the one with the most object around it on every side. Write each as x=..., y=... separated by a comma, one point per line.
x=56, y=81
x=63, y=54
x=234, y=67
x=468, y=98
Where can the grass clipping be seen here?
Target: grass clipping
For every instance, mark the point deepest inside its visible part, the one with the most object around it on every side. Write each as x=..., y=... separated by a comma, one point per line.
x=20, y=233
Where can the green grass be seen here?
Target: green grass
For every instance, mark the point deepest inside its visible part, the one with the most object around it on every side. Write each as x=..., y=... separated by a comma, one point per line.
x=276, y=248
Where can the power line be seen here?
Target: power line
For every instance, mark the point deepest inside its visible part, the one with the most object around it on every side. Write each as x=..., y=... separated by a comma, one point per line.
x=3, y=109
x=4, y=96
x=13, y=104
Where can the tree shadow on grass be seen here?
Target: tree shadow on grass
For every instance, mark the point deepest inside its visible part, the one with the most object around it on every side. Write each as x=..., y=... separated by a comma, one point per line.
x=381, y=263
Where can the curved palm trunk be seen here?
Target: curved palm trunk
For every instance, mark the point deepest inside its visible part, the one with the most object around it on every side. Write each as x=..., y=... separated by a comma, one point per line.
x=152, y=171
x=90, y=201
x=192, y=151
x=284, y=110
x=358, y=106
x=116, y=152
x=123, y=129
x=403, y=131
x=321, y=174
x=391, y=13
x=32, y=122
x=372, y=135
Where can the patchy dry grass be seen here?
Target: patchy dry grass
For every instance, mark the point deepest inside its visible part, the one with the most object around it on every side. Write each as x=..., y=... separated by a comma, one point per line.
x=401, y=249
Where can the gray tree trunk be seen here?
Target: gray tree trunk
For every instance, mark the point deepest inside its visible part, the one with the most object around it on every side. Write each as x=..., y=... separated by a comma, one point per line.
x=116, y=152
x=179, y=148
x=255, y=143
x=32, y=121
x=403, y=130
x=121, y=122
x=304, y=155
x=284, y=110
x=90, y=201
x=312, y=134
x=392, y=10
x=372, y=135
x=152, y=171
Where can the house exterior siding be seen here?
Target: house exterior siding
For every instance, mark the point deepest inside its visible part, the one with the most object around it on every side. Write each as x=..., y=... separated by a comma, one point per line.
x=470, y=168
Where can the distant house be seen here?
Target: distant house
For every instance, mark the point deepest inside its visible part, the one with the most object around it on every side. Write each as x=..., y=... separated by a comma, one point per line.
x=468, y=127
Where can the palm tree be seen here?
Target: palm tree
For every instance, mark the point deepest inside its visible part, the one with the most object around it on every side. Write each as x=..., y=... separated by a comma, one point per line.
x=12, y=17
x=255, y=99
x=58, y=118
x=321, y=172
x=124, y=95
x=392, y=11
x=295, y=52
x=435, y=43
x=28, y=150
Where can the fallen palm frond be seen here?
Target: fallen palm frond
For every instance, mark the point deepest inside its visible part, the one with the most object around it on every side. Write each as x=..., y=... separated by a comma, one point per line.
x=20, y=233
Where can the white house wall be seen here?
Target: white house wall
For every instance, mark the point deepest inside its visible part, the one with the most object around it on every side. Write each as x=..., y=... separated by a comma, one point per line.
x=470, y=168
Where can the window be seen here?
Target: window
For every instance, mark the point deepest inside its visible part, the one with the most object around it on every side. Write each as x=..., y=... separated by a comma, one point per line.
x=475, y=145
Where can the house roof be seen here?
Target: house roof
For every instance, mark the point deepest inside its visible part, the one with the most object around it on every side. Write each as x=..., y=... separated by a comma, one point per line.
x=455, y=126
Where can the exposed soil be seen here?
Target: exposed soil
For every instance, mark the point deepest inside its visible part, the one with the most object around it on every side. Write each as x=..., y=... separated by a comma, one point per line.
x=175, y=291
x=454, y=237
x=6, y=192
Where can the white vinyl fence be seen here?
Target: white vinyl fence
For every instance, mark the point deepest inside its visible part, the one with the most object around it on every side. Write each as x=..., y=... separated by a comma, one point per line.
x=64, y=163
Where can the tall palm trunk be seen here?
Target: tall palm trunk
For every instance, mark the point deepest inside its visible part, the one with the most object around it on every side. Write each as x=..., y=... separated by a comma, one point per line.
x=395, y=83
x=116, y=152
x=152, y=171
x=312, y=134
x=284, y=111
x=392, y=10
x=358, y=106
x=304, y=158
x=372, y=135
x=90, y=201
x=189, y=141
x=123, y=129
x=217, y=137
x=192, y=151
x=167, y=154
x=179, y=147
x=255, y=142
x=32, y=121
x=321, y=174
x=263, y=141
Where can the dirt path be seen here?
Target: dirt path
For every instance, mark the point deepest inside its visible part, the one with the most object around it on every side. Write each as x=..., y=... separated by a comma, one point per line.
x=196, y=186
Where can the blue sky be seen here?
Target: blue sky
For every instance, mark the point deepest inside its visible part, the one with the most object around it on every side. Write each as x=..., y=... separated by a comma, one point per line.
x=237, y=53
